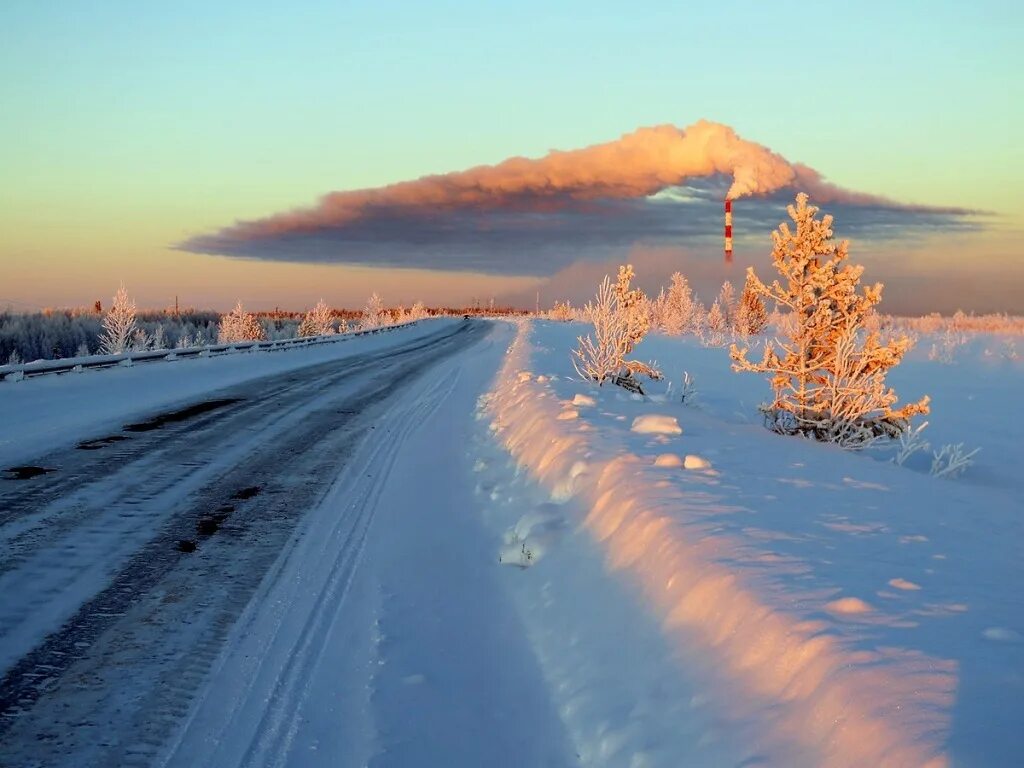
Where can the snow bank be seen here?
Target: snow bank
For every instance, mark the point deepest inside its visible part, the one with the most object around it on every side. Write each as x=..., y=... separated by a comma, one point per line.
x=817, y=699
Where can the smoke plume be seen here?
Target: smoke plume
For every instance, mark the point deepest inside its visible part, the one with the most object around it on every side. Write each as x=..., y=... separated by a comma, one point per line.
x=594, y=189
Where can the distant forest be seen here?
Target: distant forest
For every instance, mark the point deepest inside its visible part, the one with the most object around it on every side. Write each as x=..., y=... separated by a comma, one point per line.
x=60, y=333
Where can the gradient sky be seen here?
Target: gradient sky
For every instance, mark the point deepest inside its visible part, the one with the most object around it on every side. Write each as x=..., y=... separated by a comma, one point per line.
x=127, y=127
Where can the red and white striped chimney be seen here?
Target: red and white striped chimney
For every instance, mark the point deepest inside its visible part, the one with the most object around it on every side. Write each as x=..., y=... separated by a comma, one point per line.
x=728, y=231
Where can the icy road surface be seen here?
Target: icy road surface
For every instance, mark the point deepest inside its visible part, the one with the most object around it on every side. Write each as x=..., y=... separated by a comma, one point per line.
x=175, y=590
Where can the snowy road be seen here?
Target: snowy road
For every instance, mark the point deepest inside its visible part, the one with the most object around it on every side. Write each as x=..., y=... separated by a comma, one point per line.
x=128, y=567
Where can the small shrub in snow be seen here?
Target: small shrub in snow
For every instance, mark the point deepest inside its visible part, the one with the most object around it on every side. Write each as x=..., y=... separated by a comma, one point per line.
x=239, y=325
x=688, y=393
x=911, y=441
x=952, y=460
x=829, y=380
x=119, y=326
x=319, y=321
x=944, y=350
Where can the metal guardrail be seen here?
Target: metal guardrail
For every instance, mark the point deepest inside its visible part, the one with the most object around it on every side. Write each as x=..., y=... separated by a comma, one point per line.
x=21, y=371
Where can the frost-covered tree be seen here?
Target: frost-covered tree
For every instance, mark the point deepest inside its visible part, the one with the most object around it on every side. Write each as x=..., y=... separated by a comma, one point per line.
x=751, y=315
x=418, y=311
x=727, y=304
x=829, y=376
x=159, y=338
x=716, y=326
x=374, y=314
x=631, y=306
x=562, y=311
x=319, y=321
x=239, y=325
x=678, y=312
x=619, y=317
x=141, y=341
x=119, y=325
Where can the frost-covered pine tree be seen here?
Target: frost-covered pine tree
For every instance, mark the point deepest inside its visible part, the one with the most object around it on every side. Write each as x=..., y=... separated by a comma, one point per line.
x=374, y=314
x=319, y=321
x=239, y=325
x=829, y=375
x=678, y=312
x=118, y=325
x=751, y=315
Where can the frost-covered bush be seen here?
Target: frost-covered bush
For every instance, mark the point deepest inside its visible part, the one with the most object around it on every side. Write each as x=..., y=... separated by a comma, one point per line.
x=620, y=318
x=319, y=321
x=418, y=311
x=374, y=314
x=239, y=325
x=562, y=312
x=828, y=377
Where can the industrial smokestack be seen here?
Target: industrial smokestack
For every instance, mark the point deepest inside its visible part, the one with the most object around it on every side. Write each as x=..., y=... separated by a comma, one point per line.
x=728, y=231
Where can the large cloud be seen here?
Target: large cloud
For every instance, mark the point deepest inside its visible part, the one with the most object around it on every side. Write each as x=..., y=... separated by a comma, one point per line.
x=654, y=186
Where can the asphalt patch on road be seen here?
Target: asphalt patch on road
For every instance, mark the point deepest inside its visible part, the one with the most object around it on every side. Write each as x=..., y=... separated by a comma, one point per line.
x=100, y=442
x=248, y=493
x=27, y=472
x=183, y=414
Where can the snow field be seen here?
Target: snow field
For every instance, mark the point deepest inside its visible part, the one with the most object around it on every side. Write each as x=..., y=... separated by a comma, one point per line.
x=786, y=575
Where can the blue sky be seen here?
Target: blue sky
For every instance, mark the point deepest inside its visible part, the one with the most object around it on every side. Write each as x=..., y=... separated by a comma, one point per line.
x=130, y=126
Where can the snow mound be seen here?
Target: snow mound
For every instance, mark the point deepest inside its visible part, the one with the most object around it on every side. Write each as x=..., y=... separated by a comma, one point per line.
x=668, y=460
x=568, y=414
x=583, y=400
x=903, y=584
x=849, y=605
x=1001, y=635
x=693, y=461
x=532, y=537
x=656, y=424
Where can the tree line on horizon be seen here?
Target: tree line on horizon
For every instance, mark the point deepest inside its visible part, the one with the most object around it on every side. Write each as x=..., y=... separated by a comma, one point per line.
x=78, y=332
